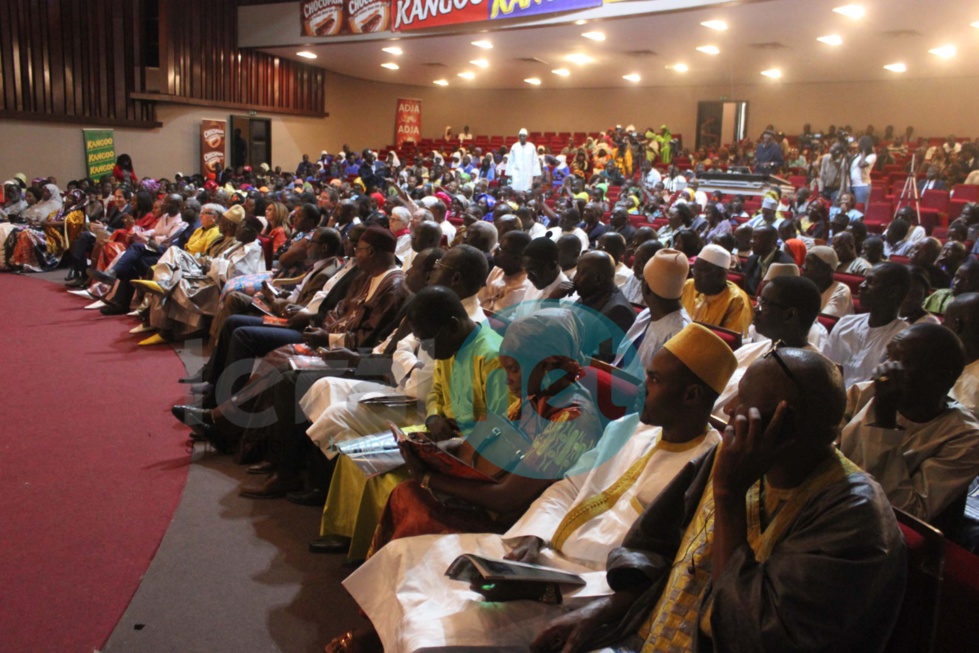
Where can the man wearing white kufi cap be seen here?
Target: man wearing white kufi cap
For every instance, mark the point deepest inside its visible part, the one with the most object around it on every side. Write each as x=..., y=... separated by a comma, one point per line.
x=523, y=165
x=768, y=214
x=837, y=299
x=662, y=285
x=710, y=298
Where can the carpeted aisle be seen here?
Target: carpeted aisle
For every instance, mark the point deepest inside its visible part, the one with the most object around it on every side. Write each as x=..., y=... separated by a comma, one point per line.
x=92, y=466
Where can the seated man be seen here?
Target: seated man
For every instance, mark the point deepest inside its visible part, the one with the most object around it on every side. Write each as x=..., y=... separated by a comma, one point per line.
x=962, y=319
x=835, y=296
x=615, y=244
x=540, y=261
x=784, y=317
x=846, y=253
x=965, y=280
x=594, y=283
x=569, y=249
x=507, y=283
x=425, y=235
x=858, y=343
x=925, y=253
x=572, y=526
x=662, y=284
x=632, y=288
x=764, y=252
x=748, y=547
x=923, y=449
x=711, y=298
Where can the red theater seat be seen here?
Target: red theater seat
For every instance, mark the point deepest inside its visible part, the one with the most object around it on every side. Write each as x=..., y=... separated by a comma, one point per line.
x=731, y=338
x=916, y=623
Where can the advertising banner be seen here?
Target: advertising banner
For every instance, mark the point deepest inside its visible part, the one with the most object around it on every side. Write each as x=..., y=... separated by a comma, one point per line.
x=213, y=137
x=424, y=14
x=333, y=17
x=100, y=152
x=500, y=9
x=408, y=122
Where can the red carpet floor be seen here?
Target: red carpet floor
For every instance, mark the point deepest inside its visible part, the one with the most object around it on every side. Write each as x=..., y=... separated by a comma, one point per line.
x=91, y=466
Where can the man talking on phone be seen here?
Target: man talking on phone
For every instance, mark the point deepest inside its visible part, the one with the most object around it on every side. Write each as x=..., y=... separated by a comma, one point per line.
x=772, y=541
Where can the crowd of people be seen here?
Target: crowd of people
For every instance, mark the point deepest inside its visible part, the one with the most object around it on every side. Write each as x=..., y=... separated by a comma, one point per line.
x=577, y=359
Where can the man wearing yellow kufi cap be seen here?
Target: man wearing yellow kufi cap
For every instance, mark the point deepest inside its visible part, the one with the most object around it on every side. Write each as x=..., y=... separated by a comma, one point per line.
x=572, y=526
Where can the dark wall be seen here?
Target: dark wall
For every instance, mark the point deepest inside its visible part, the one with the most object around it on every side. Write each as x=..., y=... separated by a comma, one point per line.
x=83, y=61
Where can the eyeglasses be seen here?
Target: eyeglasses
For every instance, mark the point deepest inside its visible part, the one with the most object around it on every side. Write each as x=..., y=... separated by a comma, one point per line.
x=773, y=354
x=439, y=264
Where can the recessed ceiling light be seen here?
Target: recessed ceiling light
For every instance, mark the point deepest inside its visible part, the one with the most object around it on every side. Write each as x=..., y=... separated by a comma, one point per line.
x=832, y=39
x=945, y=52
x=533, y=81
x=441, y=82
x=305, y=54
x=482, y=63
x=851, y=11
x=396, y=51
x=579, y=58
x=389, y=66
x=773, y=73
x=632, y=77
x=594, y=36
x=896, y=67
x=719, y=25
x=467, y=75
x=680, y=67
x=708, y=49
x=975, y=24
x=486, y=45
x=581, y=22
x=563, y=72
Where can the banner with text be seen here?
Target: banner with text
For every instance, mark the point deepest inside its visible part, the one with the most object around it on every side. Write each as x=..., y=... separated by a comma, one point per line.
x=213, y=137
x=100, y=152
x=335, y=17
x=408, y=122
x=423, y=14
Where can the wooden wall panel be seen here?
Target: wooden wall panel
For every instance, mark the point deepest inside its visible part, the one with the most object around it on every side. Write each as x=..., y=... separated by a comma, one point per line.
x=207, y=66
x=72, y=61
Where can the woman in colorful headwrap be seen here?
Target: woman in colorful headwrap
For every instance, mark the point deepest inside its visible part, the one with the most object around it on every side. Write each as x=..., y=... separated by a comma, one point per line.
x=796, y=249
x=601, y=157
x=580, y=166
x=40, y=245
x=553, y=421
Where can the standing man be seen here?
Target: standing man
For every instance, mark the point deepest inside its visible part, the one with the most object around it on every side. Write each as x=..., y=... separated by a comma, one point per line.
x=768, y=155
x=523, y=166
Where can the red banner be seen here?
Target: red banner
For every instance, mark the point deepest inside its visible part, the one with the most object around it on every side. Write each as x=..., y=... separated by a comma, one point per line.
x=422, y=14
x=408, y=122
x=213, y=134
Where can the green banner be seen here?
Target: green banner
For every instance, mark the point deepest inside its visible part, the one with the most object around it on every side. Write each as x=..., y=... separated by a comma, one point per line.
x=100, y=152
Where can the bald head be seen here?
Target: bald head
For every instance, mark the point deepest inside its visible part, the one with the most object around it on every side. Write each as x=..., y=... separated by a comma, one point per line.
x=595, y=274
x=614, y=244
x=426, y=235
x=918, y=348
x=481, y=235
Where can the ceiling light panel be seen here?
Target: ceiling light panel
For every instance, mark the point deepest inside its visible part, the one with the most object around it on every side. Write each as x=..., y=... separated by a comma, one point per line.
x=532, y=81
x=486, y=45
x=832, y=39
x=396, y=51
x=772, y=73
x=594, y=36
x=579, y=58
x=481, y=63
x=718, y=25
x=389, y=66
x=945, y=51
x=896, y=67
x=441, y=82
x=561, y=72
x=305, y=54
x=632, y=77
x=467, y=75
x=851, y=11
x=680, y=67
x=709, y=49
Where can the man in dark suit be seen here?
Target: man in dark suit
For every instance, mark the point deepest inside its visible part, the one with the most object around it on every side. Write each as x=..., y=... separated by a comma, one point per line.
x=931, y=181
x=594, y=281
x=764, y=252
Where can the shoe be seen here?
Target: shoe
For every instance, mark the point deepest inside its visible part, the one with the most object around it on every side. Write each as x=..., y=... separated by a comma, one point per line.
x=192, y=415
x=330, y=544
x=201, y=388
x=150, y=286
x=142, y=328
x=114, y=309
x=72, y=275
x=77, y=282
x=99, y=275
x=211, y=436
x=155, y=339
x=194, y=378
x=314, y=497
x=81, y=293
x=97, y=304
x=261, y=468
x=275, y=487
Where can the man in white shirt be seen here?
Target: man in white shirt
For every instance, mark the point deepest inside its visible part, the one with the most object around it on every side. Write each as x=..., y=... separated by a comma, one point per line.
x=615, y=245
x=962, y=319
x=540, y=263
x=425, y=236
x=507, y=283
x=398, y=224
x=572, y=526
x=837, y=299
x=923, y=450
x=858, y=343
x=523, y=165
x=664, y=316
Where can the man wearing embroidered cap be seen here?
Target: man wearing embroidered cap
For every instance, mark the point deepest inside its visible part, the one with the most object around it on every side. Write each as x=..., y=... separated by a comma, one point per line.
x=710, y=298
x=572, y=526
x=768, y=215
x=837, y=299
x=523, y=165
x=662, y=285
